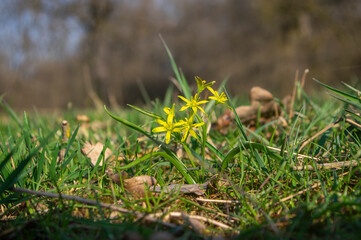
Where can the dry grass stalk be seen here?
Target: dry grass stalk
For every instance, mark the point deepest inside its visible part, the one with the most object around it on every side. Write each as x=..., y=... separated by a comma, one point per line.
x=218, y=201
x=351, y=163
x=319, y=133
x=293, y=96
x=303, y=80
x=64, y=139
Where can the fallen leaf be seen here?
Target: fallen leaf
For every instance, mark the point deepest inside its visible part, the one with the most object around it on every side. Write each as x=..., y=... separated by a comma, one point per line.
x=116, y=177
x=82, y=118
x=260, y=94
x=198, y=189
x=93, y=152
x=136, y=185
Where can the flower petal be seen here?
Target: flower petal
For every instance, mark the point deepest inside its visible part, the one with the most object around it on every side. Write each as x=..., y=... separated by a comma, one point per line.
x=159, y=129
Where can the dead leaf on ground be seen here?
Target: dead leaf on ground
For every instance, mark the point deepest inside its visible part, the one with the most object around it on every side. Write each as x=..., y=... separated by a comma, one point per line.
x=116, y=177
x=93, y=152
x=136, y=185
x=82, y=118
x=198, y=189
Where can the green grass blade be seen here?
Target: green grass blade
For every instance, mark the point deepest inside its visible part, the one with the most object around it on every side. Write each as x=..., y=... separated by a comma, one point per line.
x=358, y=117
x=251, y=146
x=353, y=103
x=238, y=121
x=241, y=128
x=128, y=124
x=71, y=140
x=352, y=88
x=214, y=150
x=175, y=161
x=179, y=76
x=14, y=176
x=10, y=111
x=168, y=96
x=338, y=92
x=147, y=113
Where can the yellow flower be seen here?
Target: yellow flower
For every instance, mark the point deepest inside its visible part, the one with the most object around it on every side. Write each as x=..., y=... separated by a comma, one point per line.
x=188, y=127
x=201, y=84
x=168, y=126
x=218, y=98
x=193, y=103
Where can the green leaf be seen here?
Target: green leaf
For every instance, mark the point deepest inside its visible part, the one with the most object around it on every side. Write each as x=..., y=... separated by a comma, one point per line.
x=179, y=76
x=352, y=103
x=338, y=92
x=14, y=176
x=352, y=88
x=10, y=111
x=175, y=161
x=147, y=113
x=128, y=124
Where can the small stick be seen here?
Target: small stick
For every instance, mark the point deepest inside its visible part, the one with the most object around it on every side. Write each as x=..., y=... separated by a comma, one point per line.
x=353, y=122
x=92, y=203
x=64, y=139
x=303, y=79
x=293, y=96
x=351, y=163
x=217, y=201
x=300, y=192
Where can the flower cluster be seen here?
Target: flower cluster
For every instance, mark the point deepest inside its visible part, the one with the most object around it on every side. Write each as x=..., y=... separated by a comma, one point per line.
x=188, y=125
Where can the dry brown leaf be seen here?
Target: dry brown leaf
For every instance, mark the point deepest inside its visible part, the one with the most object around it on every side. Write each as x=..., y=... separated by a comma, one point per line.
x=116, y=177
x=198, y=189
x=136, y=185
x=260, y=94
x=82, y=118
x=93, y=152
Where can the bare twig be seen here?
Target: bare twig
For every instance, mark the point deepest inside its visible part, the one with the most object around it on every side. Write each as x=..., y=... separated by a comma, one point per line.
x=217, y=201
x=353, y=122
x=350, y=163
x=303, y=80
x=113, y=207
x=300, y=192
x=293, y=96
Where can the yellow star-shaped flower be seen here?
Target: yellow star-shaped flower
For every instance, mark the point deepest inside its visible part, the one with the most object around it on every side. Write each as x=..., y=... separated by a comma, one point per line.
x=188, y=127
x=168, y=126
x=193, y=103
x=218, y=98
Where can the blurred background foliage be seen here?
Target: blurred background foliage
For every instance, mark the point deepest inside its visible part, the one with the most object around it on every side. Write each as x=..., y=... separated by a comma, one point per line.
x=55, y=52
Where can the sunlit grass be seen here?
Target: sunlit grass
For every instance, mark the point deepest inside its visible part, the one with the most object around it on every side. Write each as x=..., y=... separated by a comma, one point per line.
x=270, y=182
